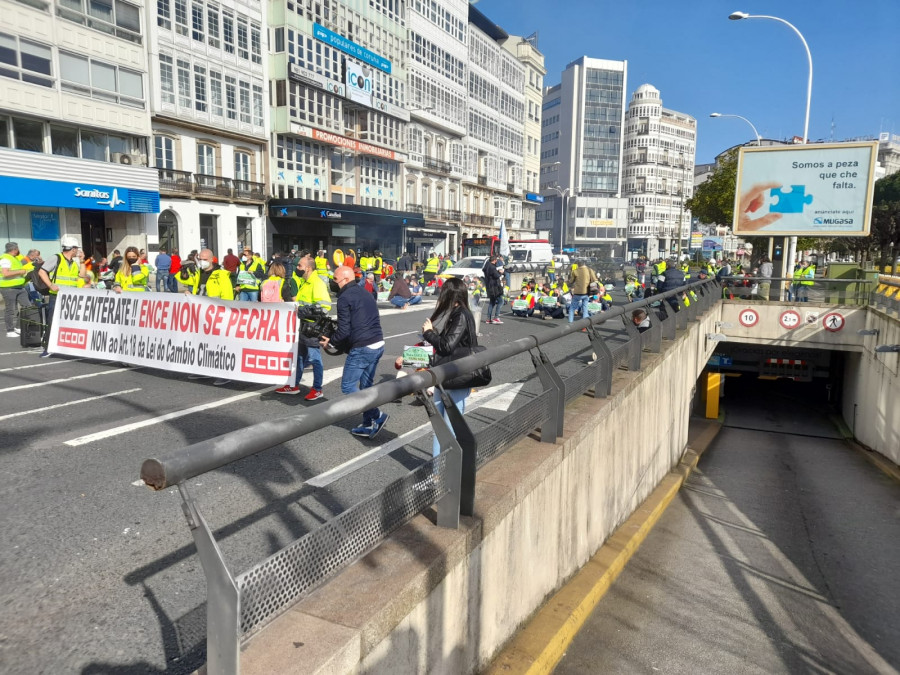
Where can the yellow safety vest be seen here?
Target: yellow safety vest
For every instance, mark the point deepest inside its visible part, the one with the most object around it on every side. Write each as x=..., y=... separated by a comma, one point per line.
x=218, y=285
x=322, y=266
x=246, y=283
x=67, y=273
x=15, y=265
x=433, y=265
x=134, y=282
x=552, y=266
x=807, y=280
x=377, y=264
x=313, y=291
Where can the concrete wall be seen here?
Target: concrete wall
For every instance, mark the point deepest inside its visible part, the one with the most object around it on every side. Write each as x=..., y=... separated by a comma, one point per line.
x=444, y=601
x=810, y=332
x=871, y=406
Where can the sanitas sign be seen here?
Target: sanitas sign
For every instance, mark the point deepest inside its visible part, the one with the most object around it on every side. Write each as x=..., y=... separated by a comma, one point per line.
x=35, y=192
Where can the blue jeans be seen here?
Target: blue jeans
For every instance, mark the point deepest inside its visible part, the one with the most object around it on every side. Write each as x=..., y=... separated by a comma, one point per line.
x=397, y=301
x=252, y=296
x=578, y=301
x=458, y=396
x=313, y=355
x=494, y=308
x=172, y=283
x=162, y=279
x=359, y=373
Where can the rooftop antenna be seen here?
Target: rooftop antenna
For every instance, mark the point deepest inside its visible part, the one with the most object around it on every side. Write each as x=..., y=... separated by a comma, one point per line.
x=832, y=128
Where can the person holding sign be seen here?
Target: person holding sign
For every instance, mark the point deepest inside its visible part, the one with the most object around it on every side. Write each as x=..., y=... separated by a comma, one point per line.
x=250, y=272
x=133, y=275
x=523, y=306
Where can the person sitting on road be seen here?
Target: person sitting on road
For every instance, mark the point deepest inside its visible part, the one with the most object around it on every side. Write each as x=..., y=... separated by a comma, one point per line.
x=401, y=296
x=523, y=305
x=552, y=303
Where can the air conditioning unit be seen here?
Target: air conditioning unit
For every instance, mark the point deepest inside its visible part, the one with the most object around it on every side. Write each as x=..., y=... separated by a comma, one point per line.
x=135, y=159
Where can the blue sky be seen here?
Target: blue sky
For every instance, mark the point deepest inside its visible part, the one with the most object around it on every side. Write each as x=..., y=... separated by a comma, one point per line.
x=701, y=62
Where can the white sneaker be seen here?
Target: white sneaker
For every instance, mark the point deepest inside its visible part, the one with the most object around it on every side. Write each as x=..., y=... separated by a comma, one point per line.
x=12, y=333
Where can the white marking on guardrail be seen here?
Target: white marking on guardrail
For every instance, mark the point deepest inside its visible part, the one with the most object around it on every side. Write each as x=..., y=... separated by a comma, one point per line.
x=63, y=405
x=32, y=385
x=480, y=399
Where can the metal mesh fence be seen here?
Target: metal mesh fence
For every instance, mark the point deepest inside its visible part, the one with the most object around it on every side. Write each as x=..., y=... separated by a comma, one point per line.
x=276, y=583
x=499, y=435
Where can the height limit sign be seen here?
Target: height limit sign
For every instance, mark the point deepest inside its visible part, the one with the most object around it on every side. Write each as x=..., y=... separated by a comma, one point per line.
x=749, y=318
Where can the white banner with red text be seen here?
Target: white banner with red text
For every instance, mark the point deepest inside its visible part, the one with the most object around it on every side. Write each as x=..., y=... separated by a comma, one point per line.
x=243, y=341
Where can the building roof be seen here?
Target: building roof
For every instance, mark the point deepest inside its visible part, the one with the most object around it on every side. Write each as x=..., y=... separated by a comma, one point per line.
x=487, y=26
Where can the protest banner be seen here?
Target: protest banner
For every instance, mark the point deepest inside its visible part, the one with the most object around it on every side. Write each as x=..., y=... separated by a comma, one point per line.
x=243, y=341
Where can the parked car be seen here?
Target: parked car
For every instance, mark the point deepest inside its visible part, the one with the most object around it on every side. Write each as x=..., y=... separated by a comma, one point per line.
x=465, y=267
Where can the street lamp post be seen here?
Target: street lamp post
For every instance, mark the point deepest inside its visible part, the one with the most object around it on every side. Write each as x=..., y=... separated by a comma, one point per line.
x=755, y=132
x=737, y=16
x=564, y=194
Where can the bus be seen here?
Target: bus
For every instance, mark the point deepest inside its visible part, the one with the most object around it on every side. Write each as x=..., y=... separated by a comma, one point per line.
x=488, y=246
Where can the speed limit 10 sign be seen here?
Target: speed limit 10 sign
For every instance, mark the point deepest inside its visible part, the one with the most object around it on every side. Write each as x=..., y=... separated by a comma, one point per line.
x=749, y=318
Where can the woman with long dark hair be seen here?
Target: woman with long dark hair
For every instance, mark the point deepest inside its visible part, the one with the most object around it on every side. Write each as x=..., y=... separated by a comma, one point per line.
x=451, y=331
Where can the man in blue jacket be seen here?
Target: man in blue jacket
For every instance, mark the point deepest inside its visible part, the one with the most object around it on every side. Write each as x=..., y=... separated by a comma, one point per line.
x=359, y=334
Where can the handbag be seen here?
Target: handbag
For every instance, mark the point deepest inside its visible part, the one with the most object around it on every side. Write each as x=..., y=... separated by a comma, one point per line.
x=480, y=377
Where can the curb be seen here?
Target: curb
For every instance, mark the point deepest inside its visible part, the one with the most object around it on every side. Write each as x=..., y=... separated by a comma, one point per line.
x=542, y=642
x=874, y=457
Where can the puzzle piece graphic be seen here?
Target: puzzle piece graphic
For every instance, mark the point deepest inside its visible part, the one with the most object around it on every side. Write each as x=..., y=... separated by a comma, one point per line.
x=790, y=202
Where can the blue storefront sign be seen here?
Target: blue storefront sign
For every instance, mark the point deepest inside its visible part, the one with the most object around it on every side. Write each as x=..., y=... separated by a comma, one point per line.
x=348, y=47
x=45, y=225
x=532, y=197
x=34, y=192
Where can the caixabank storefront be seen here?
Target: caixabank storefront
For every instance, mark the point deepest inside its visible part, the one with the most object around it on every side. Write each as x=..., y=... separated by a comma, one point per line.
x=312, y=225
x=105, y=206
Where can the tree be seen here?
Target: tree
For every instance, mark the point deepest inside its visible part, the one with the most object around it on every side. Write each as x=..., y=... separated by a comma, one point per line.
x=713, y=200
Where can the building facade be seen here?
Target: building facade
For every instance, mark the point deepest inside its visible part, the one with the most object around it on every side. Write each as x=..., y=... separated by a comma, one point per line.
x=660, y=148
x=209, y=117
x=75, y=126
x=889, y=152
x=338, y=90
x=581, y=167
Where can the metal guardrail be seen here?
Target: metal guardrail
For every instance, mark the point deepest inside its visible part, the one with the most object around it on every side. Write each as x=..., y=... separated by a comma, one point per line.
x=825, y=290
x=886, y=295
x=239, y=606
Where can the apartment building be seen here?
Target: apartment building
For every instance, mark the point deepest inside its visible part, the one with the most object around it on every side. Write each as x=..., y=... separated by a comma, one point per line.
x=660, y=147
x=581, y=148
x=338, y=87
x=209, y=115
x=75, y=125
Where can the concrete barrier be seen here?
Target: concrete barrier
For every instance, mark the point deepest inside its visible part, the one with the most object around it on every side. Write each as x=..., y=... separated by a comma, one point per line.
x=445, y=601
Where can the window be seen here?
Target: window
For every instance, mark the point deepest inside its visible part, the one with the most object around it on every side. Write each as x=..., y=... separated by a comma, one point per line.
x=200, y=88
x=184, y=84
x=166, y=79
x=197, y=22
x=243, y=232
x=164, y=151
x=64, y=141
x=243, y=41
x=163, y=14
x=245, y=102
x=101, y=80
x=228, y=30
x=25, y=60
x=212, y=25
x=279, y=39
x=231, y=97
x=181, y=17
x=215, y=92
x=113, y=17
x=93, y=145
x=256, y=44
x=241, y=166
x=206, y=159
x=29, y=135
x=258, y=105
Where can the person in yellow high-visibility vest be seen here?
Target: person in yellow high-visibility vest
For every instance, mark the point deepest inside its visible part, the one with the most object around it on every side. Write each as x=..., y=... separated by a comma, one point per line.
x=14, y=268
x=377, y=265
x=133, y=275
x=61, y=270
x=323, y=269
x=250, y=274
x=551, y=270
x=431, y=267
x=208, y=278
x=807, y=278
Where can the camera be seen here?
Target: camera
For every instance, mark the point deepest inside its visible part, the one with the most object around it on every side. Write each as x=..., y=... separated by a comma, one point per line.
x=315, y=323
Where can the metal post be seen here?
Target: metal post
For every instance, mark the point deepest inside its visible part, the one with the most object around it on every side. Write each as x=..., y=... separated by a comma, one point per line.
x=469, y=446
x=448, y=505
x=635, y=344
x=223, y=600
x=668, y=322
x=552, y=382
x=603, y=388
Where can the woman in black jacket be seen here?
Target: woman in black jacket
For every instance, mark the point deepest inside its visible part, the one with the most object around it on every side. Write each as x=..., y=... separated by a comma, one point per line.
x=450, y=330
x=494, y=288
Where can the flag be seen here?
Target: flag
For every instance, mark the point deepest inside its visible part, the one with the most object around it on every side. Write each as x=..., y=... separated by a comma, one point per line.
x=504, y=240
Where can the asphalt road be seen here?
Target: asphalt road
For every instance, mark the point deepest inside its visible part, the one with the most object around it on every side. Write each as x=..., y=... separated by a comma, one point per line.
x=98, y=574
x=781, y=554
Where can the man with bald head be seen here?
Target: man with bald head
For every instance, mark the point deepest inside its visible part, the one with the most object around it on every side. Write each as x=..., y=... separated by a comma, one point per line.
x=207, y=278
x=359, y=334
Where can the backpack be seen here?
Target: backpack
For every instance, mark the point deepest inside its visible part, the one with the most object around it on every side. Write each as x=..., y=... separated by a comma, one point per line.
x=270, y=291
x=35, y=278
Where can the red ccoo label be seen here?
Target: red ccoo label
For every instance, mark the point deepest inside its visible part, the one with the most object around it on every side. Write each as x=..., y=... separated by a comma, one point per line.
x=75, y=338
x=266, y=363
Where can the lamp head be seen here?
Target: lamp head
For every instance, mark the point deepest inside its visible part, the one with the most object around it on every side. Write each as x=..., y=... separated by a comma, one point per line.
x=715, y=114
x=887, y=348
x=737, y=16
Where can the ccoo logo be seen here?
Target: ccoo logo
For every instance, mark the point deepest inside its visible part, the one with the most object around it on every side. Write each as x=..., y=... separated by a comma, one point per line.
x=75, y=338
x=266, y=363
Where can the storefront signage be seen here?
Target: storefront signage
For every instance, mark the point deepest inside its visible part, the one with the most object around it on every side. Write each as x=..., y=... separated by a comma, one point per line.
x=36, y=192
x=315, y=79
x=45, y=225
x=348, y=47
x=391, y=109
x=358, y=79
x=532, y=197
x=337, y=215
x=604, y=222
x=352, y=144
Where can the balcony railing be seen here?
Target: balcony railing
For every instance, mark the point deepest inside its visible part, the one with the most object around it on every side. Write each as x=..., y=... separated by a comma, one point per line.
x=479, y=220
x=436, y=164
x=184, y=182
x=434, y=213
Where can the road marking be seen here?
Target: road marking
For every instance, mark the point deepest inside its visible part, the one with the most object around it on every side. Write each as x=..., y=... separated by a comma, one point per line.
x=479, y=399
x=63, y=405
x=64, y=379
x=124, y=429
x=21, y=351
x=412, y=332
x=38, y=365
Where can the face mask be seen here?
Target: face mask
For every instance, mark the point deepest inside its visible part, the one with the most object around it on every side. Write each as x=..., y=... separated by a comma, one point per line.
x=245, y=258
x=76, y=259
x=335, y=288
x=203, y=264
x=132, y=259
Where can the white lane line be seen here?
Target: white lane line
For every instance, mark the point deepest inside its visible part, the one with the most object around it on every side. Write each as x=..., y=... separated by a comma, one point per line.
x=329, y=375
x=63, y=405
x=54, y=362
x=124, y=429
x=64, y=379
x=21, y=351
x=479, y=399
x=412, y=332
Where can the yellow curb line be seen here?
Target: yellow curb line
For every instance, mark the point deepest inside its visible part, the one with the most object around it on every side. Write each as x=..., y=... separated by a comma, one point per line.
x=879, y=460
x=539, y=646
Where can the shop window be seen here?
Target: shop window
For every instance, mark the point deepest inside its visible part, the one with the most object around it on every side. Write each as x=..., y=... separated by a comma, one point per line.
x=168, y=231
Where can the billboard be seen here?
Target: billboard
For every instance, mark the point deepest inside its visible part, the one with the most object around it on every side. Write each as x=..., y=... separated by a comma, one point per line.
x=820, y=190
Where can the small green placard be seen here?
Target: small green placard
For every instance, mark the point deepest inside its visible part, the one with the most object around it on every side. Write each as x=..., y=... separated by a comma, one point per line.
x=383, y=296
x=417, y=357
x=595, y=307
x=520, y=304
x=548, y=302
